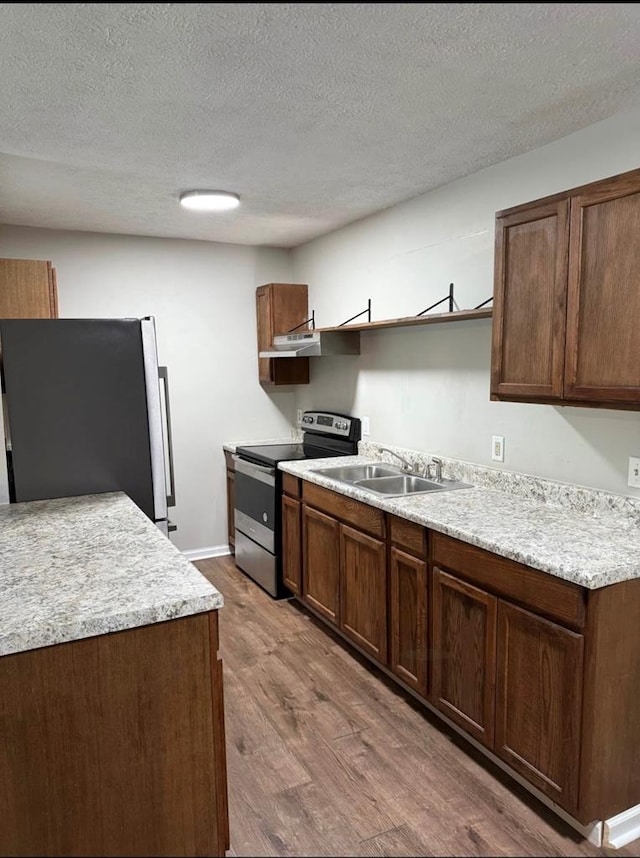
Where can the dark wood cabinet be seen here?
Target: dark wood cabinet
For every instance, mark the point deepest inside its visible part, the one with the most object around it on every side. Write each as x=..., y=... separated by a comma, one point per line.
x=279, y=308
x=530, y=297
x=231, y=481
x=603, y=304
x=115, y=744
x=463, y=653
x=408, y=619
x=291, y=544
x=567, y=297
x=363, y=591
x=321, y=559
x=28, y=289
x=539, y=701
x=542, y=672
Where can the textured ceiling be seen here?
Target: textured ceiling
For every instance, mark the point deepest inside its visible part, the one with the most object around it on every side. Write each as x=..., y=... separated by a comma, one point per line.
x=317, y=114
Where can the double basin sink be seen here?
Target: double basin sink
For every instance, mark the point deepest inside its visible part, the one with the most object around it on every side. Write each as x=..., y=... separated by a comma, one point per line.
x=379, y=478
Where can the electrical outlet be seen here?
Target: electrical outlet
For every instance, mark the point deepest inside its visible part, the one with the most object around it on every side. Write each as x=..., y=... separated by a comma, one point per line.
x=634, y=472
x=299, y=417
x=497, y=448
x=365, y=425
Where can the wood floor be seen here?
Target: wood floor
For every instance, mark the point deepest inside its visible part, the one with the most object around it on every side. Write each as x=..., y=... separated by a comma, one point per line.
x=327, y=757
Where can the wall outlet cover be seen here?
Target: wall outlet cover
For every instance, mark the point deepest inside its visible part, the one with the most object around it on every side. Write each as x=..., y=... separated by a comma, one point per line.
x=299, y=417
x=365, y=425
x=497, y=448
x=634, y=472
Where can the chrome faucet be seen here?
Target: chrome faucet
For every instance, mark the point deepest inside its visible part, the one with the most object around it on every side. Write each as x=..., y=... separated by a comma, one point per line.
x=406, y=466
x=436, y=464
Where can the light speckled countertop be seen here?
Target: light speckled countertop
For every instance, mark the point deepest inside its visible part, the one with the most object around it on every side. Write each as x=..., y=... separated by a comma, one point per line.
x=294, y=438
x=79, y=567
x=592, y=550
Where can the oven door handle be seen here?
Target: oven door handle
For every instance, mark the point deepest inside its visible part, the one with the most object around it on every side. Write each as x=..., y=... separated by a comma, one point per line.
x=258, y=472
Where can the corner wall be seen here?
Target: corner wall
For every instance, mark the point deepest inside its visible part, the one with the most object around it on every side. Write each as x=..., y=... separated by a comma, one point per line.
x=202, y=295
x=427, y=388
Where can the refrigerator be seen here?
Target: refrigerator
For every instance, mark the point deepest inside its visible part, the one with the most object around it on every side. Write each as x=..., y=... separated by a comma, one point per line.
x=85, y=410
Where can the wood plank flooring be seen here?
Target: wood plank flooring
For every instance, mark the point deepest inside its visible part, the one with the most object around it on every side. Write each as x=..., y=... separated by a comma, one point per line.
x=327, y=757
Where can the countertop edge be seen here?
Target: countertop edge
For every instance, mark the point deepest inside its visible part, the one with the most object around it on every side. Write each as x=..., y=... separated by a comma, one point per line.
x=13, y=644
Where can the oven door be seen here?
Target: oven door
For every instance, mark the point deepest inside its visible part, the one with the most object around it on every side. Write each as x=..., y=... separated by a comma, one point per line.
x=255, y=521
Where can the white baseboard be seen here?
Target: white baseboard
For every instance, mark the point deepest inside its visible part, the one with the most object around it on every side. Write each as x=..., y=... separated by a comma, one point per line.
x=206, y=553
x=622, y=829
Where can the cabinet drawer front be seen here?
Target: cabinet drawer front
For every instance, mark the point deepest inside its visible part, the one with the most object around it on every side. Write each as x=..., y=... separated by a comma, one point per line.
x=541, y=592
x=408, y=535
x=352, y=511
x=291, y=485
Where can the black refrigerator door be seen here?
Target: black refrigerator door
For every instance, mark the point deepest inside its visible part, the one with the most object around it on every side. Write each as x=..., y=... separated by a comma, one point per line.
x=77, y=408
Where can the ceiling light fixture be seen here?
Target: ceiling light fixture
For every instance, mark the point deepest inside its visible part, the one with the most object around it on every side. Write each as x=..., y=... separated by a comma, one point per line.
x=209, y=201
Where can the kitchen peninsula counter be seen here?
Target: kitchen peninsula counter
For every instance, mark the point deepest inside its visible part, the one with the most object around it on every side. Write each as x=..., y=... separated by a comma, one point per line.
x=592, y=550
x=73, y=568
x=111, y=699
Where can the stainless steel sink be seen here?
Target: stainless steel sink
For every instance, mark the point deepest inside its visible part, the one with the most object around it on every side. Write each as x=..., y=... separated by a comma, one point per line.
x=352, y=473
x=380, y=478
x=404, y=484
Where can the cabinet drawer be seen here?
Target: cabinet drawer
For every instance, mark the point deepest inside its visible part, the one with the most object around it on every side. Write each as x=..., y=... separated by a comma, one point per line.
x=408, y=535
x=541, y=592
x=291, y=485
x=352, y=511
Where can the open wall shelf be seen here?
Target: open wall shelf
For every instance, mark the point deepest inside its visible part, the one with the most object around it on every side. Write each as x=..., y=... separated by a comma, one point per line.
x=410, y=321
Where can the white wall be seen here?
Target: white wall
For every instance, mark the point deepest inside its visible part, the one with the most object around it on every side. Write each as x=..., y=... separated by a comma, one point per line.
x=203, y=297
x=428, y=388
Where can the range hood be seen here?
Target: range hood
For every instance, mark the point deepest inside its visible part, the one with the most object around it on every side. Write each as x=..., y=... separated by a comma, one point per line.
x=314, y=344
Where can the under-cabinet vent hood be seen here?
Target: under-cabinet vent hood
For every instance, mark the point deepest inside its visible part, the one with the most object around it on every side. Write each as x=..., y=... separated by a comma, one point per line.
x=314, y=344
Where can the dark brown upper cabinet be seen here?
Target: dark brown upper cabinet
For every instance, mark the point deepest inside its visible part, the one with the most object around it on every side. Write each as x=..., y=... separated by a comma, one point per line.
x=567, y=298
x=279, y=308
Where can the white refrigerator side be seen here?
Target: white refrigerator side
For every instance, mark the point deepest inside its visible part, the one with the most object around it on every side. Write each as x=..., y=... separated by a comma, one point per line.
x=4, y=476
x=154, y=408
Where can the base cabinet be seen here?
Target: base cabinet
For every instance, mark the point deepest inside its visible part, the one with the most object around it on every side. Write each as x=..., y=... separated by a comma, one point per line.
x=539, y=701
x=408, y=619
x=231, y=500
x=463, y=651
x=321, y=558
x=115, y=745
x=542, y=672
x=363, y=591
x=291, y=544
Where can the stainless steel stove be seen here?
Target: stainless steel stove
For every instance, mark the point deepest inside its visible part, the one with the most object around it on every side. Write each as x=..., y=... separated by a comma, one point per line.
x=258, y=491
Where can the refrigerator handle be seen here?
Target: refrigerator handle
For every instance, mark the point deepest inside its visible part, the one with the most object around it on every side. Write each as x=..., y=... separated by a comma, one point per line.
x=164, y=378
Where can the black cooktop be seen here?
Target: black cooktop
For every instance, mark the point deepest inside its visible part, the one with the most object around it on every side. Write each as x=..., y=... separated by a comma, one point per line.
x=271, y=454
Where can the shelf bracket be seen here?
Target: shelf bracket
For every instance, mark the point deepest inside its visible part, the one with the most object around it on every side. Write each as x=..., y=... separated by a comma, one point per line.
x=483, y=303
x=357, y=315
x=312, y=319
x=448, y=298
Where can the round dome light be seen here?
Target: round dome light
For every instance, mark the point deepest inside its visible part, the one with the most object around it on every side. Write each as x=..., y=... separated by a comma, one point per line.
x=209, y=201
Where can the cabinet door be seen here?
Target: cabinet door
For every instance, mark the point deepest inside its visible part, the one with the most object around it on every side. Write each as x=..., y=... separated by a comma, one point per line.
x=291, y=545
x=28, y=289
x=264, y=322
x=463, y=653
x=279, y=308
x=539, y=701
x=527, y=359
x=321, y=563
x=231, y=502
x=363, y=585
x=603, y=337
x=408, y=619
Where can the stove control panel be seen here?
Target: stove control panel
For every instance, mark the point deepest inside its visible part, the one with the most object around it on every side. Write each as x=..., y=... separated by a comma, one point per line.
x=324, y=423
